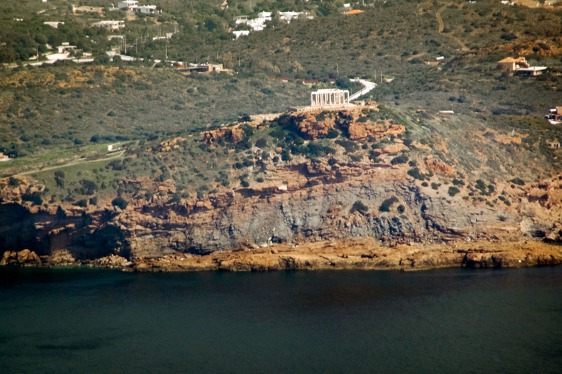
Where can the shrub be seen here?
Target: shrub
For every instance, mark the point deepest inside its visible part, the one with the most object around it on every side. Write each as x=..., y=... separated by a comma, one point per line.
x=119, y=202
x=88, y=187
x=453, y=191
x=518, y=181
x=416, y=174
x=402, y=159
x=358, y=206
x=348, y=145
x=387, y=204
x=261, y=142
x=34, y=197
x=14, y=182
x=458, y=182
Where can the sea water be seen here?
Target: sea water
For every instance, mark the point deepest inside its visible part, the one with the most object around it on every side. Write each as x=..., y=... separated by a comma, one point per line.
x=449, y=321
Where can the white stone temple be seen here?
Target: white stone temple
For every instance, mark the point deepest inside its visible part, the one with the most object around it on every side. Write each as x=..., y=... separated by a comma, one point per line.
x=329, y=97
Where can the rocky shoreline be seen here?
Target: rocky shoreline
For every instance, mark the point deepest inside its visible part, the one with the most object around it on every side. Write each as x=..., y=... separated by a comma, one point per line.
x=347, y=254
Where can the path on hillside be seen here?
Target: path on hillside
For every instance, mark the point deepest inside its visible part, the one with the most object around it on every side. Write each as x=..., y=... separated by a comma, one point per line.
x=441, y=28
x=72, y=163
x=368, y=87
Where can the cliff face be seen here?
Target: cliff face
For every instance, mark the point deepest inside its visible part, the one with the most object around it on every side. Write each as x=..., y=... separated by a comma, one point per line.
x=322, y=203
x=344, y=174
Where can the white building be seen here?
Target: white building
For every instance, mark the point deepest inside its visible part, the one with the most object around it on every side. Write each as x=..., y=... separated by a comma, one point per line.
x=266, y=16
x=329, y=97
x=65, y=47
x=288, y=16
x=256, y=24
x=53, y=24
x=148, y=9
x=110, y=25
x=128, y=5
x=241, y=20
x=240, y=33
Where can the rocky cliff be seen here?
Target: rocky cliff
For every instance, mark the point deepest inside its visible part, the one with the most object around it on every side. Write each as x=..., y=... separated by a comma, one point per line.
x=381, y=198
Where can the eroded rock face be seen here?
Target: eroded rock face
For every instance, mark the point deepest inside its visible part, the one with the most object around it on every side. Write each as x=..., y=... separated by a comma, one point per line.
x=319, y=203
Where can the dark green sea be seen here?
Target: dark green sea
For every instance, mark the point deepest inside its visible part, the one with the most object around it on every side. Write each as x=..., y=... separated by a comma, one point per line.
x=445, y=321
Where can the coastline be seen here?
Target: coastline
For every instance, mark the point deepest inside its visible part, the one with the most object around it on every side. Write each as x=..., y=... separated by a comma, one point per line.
x=345, y=254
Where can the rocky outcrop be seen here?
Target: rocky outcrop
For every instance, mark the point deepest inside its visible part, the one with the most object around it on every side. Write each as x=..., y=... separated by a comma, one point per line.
x=21, y=258
x=231, y=134
x=439, y=166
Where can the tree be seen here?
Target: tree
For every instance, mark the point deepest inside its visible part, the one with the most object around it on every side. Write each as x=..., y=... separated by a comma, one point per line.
x=119, y=202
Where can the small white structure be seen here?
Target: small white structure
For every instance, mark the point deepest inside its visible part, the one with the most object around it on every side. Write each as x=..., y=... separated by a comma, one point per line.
x=256, y=24
x=147, y=9
x=241, y=20
x=110, y=25
x=65, y=47
x=53, y=24
x=288, y=16
x=240, y=33
x=531, y=71
x=329, y=97
x=266, y=16
x=128, y=5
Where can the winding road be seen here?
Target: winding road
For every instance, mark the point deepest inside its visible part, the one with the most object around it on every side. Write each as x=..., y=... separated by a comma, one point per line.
x=368, y=87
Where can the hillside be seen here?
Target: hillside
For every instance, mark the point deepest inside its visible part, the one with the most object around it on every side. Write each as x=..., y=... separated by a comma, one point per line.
x=140, y=161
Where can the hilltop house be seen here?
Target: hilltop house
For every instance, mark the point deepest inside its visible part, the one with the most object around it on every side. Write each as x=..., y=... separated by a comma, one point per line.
x=288, y=16
x=128, y=5
x=202, y=68
x=520, y=66
x=148, y=9
x=239, y=33
x=511, y=64
x=266, y=16
x=110, y=25
x=555, y=116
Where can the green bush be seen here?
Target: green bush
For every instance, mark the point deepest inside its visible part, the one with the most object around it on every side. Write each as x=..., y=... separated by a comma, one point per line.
x=387, y=204
x=453, y=191
x=458, y=182
x=416, y=174
x=402, y=159
x=518, y=181
x=119, y=202
x=349, y=145
x=358, y=206
x=34, y=197
x=261, y=143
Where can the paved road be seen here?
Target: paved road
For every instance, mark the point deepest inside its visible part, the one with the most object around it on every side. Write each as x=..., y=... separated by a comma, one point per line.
x=368, y=87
